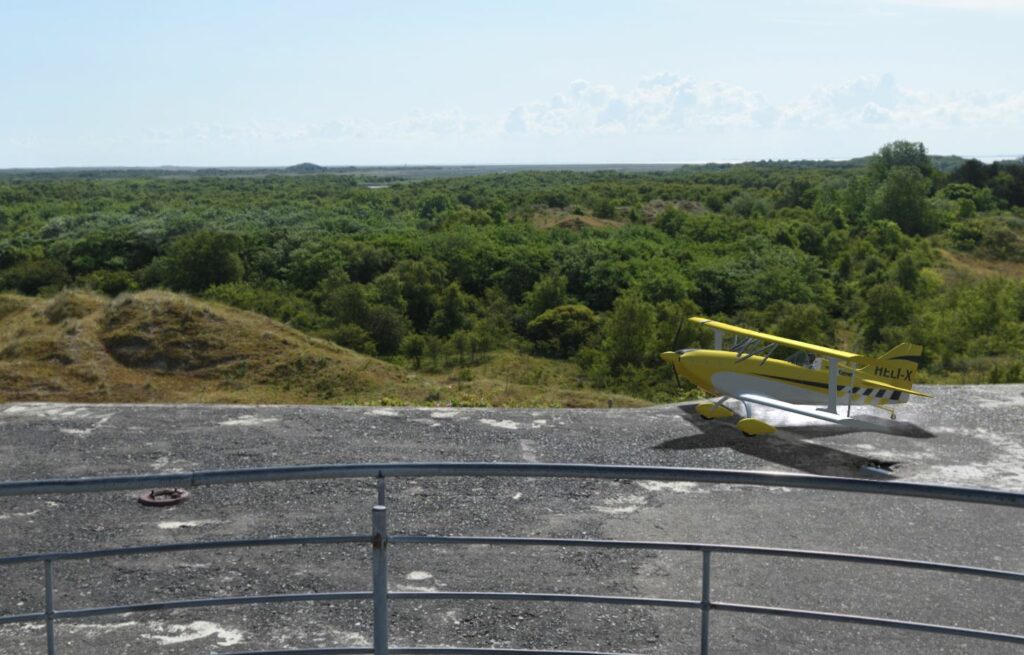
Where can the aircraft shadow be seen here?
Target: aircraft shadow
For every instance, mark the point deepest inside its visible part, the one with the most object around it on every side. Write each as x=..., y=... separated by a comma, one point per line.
x=789, y=446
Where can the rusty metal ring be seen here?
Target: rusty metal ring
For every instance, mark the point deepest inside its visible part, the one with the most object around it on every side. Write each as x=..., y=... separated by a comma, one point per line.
x=164, y=497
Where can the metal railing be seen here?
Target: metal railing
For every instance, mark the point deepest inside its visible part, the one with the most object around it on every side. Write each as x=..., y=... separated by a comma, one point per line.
x=380, y=540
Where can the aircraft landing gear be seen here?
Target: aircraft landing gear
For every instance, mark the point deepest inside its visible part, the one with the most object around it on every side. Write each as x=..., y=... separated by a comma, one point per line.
x=708, y=411
x=751, y=427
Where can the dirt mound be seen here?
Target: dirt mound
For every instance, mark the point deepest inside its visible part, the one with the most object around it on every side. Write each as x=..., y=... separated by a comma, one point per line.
x=72, y=304
x=171, y=333
x=11, y=304
x=165, y=332
x=157, y=346
x=160, y=346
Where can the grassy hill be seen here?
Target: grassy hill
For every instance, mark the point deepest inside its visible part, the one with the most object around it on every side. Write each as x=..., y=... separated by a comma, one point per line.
x=157, y=346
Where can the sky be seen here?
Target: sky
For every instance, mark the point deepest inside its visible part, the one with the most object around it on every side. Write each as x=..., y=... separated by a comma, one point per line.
x=268, y=83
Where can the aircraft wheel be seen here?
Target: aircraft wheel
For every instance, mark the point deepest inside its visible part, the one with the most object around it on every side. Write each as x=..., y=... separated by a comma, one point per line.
x=752, y=427
x=707, y=418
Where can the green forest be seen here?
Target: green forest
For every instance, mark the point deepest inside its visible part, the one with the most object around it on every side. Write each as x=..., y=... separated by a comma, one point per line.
x=599, y=269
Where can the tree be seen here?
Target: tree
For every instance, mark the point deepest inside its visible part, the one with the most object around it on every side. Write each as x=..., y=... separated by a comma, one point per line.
x=387, y=290
x=413, y=347
x=971, y=172
x=352, y=336
x=434, y=205
x=346, y=303
x=35, y=275
x=388, y=328
x=202, y=259
x=902, y=198
x=671, y=221
x=461, y=342
x=629, y=331
x=906, y=272
x=453, y=311
x=898, y=154
x=550, y=291
x=885, y=306
x=421, y=283
x=560, y=331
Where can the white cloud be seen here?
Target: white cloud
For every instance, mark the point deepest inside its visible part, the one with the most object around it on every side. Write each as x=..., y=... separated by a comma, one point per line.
x=879, y=100
x=663, y=102
x=663, y=117
x=666, y=103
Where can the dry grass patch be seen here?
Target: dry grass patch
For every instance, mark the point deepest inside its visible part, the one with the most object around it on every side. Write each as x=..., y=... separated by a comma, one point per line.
x=979, y=267
x=547, y=219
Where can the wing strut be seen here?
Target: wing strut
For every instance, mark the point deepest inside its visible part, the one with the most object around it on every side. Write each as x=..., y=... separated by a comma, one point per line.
x=849, y=389
x=833, y=384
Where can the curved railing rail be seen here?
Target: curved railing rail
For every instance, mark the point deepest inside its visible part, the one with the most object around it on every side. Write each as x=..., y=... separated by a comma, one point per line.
x=379, y=539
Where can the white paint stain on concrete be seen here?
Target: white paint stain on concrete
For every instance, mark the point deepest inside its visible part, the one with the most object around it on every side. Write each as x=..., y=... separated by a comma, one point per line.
x=528, y=448
x=58, y=411
x=506, y=424
x=84, y=432
x=382, y=412
x=622, y=505
x=163, y=633
x=538, y=423
x=194, y=631
x=54, y=411
x=674, y=487
x=249, y=420
x=177, y=525
x=349, y=638
x=18, y=515
x=413, y=587
x=426, y=421
x=418, y=576
x=444, y=414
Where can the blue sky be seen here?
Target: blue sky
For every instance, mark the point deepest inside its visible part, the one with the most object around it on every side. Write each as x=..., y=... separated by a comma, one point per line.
x=343, y=83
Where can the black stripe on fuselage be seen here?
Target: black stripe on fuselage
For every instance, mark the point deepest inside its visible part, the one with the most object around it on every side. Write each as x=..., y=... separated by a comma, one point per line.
x=867, y=391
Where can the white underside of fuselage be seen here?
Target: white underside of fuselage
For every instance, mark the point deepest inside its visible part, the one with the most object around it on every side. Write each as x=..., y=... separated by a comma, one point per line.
x=733, y=384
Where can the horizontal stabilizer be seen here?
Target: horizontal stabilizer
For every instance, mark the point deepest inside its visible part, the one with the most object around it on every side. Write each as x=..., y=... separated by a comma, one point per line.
x=896, y=367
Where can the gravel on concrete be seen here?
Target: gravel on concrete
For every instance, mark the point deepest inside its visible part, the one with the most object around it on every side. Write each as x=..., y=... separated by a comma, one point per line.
x=971, y=436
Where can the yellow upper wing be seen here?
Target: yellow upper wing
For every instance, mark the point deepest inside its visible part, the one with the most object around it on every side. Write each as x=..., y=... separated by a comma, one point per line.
x=782, y=341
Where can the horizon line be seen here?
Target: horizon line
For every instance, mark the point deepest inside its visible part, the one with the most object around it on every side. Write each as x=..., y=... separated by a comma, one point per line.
x=989, y=158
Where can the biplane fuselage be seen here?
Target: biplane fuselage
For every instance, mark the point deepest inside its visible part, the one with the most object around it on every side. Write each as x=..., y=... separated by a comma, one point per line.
x=727, y=373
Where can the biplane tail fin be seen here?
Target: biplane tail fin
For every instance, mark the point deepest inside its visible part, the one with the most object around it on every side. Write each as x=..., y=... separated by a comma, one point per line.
x=896, y=367
x=906, y=351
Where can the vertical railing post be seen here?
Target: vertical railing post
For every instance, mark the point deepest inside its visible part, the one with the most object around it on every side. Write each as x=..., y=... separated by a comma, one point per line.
x=705, y=601
x=381, y=490
x=380, y=580
x=51, y=641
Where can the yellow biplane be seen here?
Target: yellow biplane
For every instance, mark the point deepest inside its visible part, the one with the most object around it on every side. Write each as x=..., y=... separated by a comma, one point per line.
x=815, y=381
